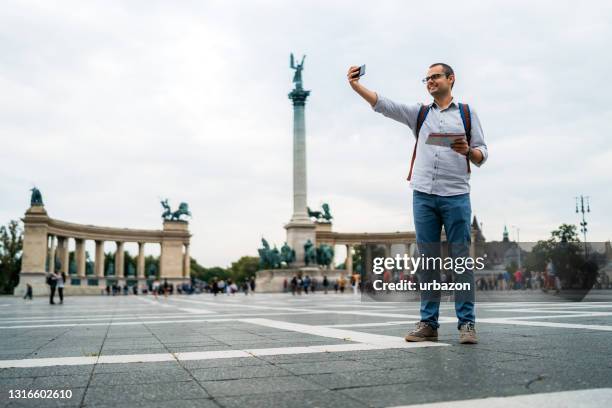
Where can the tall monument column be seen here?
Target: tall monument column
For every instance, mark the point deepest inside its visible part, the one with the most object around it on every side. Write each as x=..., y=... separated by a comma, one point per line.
x=300, y=228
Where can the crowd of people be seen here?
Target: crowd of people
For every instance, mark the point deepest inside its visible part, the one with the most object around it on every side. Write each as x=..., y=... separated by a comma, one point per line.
x=306, y=284
x=521, y=279
x=229, y=287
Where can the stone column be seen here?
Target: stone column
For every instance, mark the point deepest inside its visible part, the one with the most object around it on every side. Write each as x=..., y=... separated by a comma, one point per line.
x=140, y=264
x=99, y=262
x=473, y=244
x=35, y=249
x=300, y=228
x=349, y=259
x=79, y=256
x=119, y=260
x=387, y=250
x=368, y=258
x=298, y=97
x=186, y=262
x=62, y=250
x=51, y=258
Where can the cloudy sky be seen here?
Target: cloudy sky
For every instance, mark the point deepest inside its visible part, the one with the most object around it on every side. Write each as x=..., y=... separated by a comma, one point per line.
x=109, y=106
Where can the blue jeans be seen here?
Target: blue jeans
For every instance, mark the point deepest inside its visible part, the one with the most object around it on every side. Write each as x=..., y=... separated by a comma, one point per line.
x=431, y=212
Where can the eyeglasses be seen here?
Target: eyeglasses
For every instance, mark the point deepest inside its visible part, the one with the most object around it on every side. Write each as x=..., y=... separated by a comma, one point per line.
x=434, y=77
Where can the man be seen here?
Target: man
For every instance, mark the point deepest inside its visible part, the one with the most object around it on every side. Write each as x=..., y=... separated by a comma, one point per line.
x=439, y=177
x=52, y=282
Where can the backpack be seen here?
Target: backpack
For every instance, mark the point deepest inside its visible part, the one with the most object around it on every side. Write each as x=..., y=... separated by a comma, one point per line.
x=466, y=118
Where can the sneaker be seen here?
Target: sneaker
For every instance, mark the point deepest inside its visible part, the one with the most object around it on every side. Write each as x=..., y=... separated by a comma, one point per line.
x=422, y=332
x=467, y=334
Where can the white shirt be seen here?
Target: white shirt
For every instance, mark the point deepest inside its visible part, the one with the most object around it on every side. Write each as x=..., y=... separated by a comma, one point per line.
x=437, y=170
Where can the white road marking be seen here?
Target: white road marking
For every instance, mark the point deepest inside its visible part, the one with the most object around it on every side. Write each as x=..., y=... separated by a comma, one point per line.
x=349, y=335
x=600, y=327
x=178, y=319
x=190, y=356
x=597, y=397
x=183, y=309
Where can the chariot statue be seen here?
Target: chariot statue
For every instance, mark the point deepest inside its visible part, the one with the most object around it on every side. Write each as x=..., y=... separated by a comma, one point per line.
x=170, y=215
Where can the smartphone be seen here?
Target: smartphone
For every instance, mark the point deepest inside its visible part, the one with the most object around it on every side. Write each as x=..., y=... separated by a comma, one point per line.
x=361, y=72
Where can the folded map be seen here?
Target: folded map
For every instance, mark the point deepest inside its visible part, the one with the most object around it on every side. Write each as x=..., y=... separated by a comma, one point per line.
x=444, y=139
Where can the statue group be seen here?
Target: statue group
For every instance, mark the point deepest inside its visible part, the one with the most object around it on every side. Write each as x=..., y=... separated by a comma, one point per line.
x=323, y=255
x=272, y=258
x=170, y=215
x=321, y=216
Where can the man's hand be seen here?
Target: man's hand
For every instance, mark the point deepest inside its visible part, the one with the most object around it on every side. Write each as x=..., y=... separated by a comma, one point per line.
x=461, y=146
x=353, y=76
x=365, y=93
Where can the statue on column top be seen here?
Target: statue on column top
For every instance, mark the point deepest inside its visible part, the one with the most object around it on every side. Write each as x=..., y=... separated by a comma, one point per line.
x=36, y=197
x=297, y=78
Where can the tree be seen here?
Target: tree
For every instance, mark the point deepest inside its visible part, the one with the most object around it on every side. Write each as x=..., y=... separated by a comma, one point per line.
x=207, y=274
x=11, y=249
x=565, y=252
x=565, y=233
x=244, y=268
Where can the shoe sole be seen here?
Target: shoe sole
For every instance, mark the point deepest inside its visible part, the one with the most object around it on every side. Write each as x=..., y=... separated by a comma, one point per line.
x=415, y=339
x=468, y=341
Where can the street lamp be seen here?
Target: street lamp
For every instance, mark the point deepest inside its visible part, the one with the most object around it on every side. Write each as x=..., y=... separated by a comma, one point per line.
x=518, y=240
x=583, y=224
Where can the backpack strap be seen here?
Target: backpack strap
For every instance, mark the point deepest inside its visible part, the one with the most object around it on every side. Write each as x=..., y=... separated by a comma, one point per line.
x=423, y=111
x=466, y=118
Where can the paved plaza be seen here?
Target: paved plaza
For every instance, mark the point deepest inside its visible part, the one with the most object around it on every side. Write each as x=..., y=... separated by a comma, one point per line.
x=278, y=350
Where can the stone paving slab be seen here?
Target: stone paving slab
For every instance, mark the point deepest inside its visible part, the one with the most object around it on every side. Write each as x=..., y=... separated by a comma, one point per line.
x=510, y=359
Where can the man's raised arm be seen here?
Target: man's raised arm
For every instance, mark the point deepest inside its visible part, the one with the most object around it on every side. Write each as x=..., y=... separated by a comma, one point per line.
x=365, y=93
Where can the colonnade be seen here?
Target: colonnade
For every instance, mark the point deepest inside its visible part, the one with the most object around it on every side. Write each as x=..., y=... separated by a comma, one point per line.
x=58, y=254
x=46, y=248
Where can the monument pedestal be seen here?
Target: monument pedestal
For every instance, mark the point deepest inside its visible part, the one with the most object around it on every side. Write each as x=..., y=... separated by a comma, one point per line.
x=172, y=259
x=33, y=263
x=298, y=233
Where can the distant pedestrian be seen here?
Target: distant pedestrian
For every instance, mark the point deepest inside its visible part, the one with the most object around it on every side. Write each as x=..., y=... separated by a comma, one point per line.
x=52, y=282
x=252, y=283
x=61, y=282
x=166, y=288
x=294, y=284
x=306, y=283
x=155, y=288
x=28, y=294
x=342, y=283
x=325, y=283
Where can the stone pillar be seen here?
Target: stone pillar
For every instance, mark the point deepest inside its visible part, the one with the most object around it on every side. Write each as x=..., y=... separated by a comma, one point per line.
x=51, y=257
x=140, y=264
x=300, y=228
x=473, y=244
x=63, y=253
x=387, y=250
x=298, y=97
x=349, y=259
x=186, y=262
x=99, y=262
x=368, y=258
x=119, y=260
x=171, y=259
x=34, y=252
x=79, y=256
